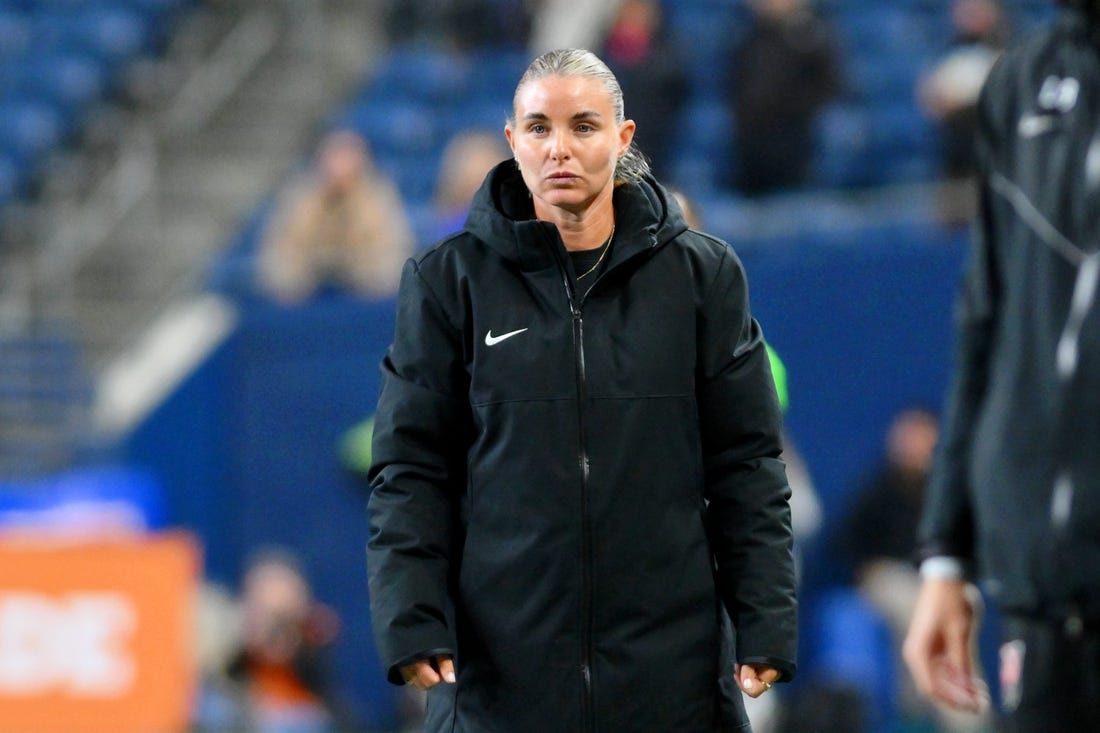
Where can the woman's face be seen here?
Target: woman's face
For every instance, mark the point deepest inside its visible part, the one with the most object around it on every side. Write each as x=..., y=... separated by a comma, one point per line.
x=567, y=142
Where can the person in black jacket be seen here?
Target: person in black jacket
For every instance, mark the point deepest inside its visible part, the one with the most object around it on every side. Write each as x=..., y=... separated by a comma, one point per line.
x=1015, y=493
x=577, y=490
x=782, y=73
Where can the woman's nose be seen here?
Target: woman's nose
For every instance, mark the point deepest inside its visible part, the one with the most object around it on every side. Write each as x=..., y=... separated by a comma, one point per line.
x=559, y=147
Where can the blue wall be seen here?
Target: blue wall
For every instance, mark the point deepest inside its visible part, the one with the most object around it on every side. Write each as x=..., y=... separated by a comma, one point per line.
x=864, y=325
x=247, y=449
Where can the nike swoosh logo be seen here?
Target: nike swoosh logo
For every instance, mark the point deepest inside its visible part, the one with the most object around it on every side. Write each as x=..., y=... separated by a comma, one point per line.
x=491, y=340
x=1034, y=124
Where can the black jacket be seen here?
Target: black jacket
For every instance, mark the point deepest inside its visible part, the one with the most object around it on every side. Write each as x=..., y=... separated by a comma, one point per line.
x=565, y=492
x=1017, y=483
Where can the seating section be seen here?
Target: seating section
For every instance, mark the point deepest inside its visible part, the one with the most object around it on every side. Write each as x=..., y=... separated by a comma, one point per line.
x=57, y=59
x=418, y=97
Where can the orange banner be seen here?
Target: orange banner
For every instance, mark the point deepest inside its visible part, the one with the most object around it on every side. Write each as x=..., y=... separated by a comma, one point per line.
x=97, y=638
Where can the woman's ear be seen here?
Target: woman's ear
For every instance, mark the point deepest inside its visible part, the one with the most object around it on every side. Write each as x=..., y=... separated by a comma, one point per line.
x=626, y=136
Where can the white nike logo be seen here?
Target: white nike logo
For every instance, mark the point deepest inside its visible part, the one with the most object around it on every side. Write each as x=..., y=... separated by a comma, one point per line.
x=491, y=340
x=1031, y=125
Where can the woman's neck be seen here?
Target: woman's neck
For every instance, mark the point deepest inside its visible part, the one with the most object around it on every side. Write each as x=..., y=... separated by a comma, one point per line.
x=588, y=229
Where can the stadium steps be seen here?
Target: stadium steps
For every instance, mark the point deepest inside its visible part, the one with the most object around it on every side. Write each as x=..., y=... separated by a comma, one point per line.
x=44, y=395
x=209, y=178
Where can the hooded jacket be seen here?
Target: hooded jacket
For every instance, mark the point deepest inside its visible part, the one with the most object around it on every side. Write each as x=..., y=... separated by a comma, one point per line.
x=570, y=494
x=1016, y=486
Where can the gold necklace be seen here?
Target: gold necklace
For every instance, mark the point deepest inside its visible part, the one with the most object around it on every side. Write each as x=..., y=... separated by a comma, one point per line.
x=606, y=247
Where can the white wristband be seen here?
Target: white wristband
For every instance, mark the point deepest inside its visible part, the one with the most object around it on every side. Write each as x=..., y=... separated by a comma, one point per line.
x=942, y=568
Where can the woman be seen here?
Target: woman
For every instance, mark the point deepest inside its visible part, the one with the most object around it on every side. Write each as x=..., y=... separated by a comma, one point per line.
x=576, y=458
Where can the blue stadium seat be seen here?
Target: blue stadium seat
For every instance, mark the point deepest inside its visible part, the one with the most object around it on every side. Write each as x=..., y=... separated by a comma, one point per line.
x=842, y=134
x=393, y=128
x=422, y=74
x=29, y=129
x=113, y=34
x=483, y=113
x=11, y=179
x=884, y=78
x=70, y=81
x=879, y=30
x=413, y=172
x=706, y=37
x=16, y=33
x=853, y=644
x=496, y=73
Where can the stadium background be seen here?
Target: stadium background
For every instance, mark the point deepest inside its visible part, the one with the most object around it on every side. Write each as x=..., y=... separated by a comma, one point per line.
x=142, y=143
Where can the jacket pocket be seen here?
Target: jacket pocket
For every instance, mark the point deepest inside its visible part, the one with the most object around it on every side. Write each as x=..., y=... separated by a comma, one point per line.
x=732, y=717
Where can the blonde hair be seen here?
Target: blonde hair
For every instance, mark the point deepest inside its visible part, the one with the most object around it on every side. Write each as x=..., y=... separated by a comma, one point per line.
x=632, y=165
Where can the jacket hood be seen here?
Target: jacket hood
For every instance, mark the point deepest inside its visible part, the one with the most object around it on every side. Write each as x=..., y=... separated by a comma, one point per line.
x=503, y=216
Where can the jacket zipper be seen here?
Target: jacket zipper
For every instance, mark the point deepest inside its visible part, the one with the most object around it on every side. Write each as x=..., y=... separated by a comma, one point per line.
x=588, y=706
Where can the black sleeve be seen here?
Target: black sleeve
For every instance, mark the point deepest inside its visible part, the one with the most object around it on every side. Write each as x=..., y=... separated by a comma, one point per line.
x=946, y=526
x=748, y=513
x=416, y=478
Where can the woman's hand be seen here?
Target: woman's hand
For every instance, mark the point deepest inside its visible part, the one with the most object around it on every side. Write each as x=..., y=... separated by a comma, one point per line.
x=756, y=679
x=426, y=673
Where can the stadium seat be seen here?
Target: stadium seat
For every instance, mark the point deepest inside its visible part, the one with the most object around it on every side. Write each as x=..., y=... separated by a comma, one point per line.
x=495, y=73
x=15, y=33
x=114, y=35
x=420, y=74
x=488, y=114
x=11, y=179
x=69, y=81
x=413, y=172
x=853, y=644
x=29, y=128
x=393, y=128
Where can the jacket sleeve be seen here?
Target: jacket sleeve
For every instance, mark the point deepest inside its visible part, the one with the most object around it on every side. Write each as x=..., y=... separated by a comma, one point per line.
x=946, y=527
x=416, y=478
x=748, y=510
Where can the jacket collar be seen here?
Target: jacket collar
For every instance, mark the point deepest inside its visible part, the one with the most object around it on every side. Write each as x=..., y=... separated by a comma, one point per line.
x=502, y=215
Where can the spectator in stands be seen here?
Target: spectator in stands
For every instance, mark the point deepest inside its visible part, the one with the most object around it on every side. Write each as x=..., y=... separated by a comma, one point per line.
x=879, y=538
x=948, y=94
x=467, y=159
x=783, y=71
x=343, y=226
x=282, y=659
x=652, y=75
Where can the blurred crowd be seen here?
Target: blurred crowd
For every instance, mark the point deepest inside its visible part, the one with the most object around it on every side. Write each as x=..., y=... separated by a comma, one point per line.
x=783, y=70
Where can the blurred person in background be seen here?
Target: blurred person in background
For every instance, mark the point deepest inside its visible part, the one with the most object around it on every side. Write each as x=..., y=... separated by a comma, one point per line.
x=651, y=75
x=467, y=159
x=576, y=481
x=785, y=69
x=948, y=94
x=879, y=537
x=342, y=226
x=880, y=532
x=282, y=662
x=1014, y=498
